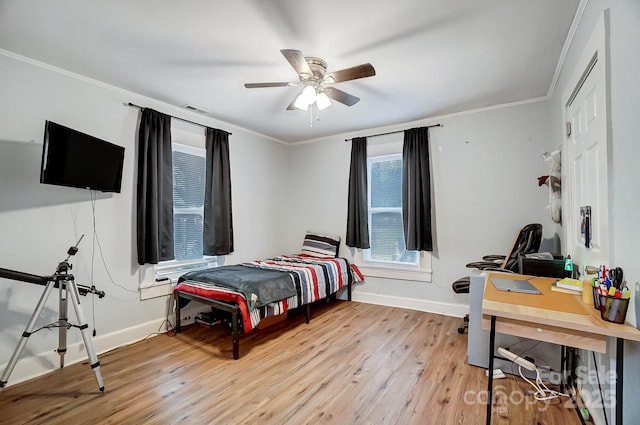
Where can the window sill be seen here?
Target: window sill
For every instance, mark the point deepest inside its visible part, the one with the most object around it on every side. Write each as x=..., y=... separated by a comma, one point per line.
x=173, y=269
x=159, y=280
x=422, y=274
x=400, y=274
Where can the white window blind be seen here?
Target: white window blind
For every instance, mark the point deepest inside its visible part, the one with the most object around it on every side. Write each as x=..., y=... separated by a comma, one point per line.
x=188, y=201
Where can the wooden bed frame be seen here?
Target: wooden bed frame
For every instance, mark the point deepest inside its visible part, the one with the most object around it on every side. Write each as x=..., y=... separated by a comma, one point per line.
x=233, y=308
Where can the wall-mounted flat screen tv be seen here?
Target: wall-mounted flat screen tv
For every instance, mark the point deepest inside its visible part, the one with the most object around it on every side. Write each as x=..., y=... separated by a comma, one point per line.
x=74, y=159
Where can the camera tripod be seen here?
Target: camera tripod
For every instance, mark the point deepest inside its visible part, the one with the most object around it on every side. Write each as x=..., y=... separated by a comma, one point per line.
x=68, y=290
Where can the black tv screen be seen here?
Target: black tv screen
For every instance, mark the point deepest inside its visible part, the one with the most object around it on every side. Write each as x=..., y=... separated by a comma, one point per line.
x=71, y=158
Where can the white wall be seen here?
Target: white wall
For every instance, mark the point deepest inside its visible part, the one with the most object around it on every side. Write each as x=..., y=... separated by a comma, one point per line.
x=625, y=174
x=38, y=223
x=485, y=166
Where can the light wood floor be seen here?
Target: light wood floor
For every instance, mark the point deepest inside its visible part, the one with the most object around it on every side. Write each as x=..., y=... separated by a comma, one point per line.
x=353, y=364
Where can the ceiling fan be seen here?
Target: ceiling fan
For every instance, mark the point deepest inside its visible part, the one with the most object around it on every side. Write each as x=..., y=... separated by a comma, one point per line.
x=317, y=82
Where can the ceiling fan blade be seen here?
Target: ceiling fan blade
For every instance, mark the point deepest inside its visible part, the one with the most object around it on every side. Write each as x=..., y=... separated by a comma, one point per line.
x=342, y=97
x=361, y=71
x=292, y=106
x=298, y=62
x=260, y=85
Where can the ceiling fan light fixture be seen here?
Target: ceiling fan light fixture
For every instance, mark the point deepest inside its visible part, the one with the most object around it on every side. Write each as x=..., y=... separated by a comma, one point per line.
x=301, y=103
x=309, y=94
x=306, y=98
x=322, y=101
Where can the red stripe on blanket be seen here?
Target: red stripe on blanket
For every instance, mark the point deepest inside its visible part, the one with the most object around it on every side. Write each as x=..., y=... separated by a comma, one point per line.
x=357, y=272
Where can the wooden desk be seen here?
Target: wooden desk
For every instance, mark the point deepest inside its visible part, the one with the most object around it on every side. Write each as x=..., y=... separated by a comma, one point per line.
x=586, y=331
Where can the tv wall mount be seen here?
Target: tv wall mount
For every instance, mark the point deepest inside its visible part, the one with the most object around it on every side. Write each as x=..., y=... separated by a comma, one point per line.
x=68, y=290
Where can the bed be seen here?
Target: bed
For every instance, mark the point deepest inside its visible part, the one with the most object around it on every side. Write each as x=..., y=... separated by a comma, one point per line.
x=245, y=294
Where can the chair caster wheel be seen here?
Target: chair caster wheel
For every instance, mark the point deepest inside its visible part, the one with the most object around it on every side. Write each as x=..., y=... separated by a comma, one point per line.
x=461, y=330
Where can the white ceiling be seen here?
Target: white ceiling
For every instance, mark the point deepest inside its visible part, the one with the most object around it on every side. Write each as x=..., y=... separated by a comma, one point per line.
x=432, y=57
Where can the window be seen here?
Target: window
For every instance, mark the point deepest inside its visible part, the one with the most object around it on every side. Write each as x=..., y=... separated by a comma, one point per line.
x=388, y=256
x=386, y=232
x=188, y=211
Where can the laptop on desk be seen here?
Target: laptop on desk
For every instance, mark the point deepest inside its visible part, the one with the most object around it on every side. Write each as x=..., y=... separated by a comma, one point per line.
x=514, y=285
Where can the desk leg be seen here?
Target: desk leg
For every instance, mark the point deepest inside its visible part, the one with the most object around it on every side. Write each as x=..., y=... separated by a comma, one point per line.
x=563, y=368
x=565, y=385
x=492, y=343
x=619, y=374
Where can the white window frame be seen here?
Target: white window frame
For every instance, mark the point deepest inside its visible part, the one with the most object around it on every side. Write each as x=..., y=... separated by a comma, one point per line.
x=422, y=272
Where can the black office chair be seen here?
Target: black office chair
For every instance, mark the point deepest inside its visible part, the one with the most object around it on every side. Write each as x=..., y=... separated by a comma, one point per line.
x=526, y=241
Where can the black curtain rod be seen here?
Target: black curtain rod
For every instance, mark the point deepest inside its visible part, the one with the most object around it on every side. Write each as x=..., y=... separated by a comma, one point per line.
x=178, y=118
x=394, y=132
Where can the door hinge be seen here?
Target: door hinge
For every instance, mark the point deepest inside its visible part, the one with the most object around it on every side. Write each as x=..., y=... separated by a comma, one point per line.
x=568, y=129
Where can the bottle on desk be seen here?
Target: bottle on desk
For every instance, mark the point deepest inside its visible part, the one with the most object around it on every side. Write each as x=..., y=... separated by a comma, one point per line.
x=568, y=267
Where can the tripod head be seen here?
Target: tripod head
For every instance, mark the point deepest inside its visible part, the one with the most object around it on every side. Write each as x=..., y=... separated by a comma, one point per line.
x=63, y=267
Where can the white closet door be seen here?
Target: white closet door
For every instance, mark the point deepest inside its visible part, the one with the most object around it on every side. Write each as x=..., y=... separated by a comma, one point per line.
x=588, y=156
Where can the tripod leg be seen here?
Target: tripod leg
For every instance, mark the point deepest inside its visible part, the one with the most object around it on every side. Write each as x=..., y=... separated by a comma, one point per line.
x=62, y=323
x=26, y=334
x=84, y=329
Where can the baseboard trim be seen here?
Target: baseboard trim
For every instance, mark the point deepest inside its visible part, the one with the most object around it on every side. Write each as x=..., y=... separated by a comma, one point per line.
x=438, y=307
x=42, y=363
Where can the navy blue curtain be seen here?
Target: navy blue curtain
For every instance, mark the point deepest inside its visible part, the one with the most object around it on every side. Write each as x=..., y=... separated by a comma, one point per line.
x=416, y=190
x=218, y=222
x=357, y=205
x=154, y=211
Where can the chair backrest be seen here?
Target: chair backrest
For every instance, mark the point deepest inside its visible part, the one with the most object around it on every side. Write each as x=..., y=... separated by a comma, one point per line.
x=526, y=242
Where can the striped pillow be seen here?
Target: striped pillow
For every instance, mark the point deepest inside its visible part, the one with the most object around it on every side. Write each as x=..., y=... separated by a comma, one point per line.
x=317, y=245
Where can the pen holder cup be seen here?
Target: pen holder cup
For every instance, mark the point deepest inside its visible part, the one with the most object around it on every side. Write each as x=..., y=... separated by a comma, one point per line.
x=614, y=309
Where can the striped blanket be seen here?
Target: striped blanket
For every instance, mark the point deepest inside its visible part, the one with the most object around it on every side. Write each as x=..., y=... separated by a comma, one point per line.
x=313, y=279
